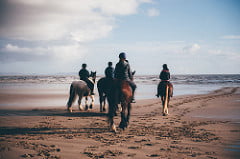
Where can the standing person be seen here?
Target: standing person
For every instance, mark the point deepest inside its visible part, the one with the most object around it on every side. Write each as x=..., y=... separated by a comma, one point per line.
x=109, y=71
x=123, y=72
x=84, y=75
x=165, y=78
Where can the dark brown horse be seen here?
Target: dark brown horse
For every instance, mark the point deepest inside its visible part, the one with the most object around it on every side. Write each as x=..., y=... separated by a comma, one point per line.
x=104, y=85
x=165, y=90
x=120, y=93
x=81, y=89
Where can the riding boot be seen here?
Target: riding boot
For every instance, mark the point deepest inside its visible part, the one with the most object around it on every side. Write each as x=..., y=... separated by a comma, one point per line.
x=133, y=97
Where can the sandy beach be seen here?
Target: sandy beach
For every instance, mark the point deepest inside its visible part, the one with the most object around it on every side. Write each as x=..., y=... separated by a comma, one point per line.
x=198, y=126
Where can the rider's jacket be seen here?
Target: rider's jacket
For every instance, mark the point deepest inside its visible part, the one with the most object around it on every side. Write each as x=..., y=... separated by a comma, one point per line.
x=164, y=75
x=83, y=74
x=123, y=71
x=109, y=72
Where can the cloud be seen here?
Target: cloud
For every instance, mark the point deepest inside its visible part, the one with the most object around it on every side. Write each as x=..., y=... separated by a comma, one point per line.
x=61, y=53
x=231, y=37
x=226, y=53
x=191, y=48
x=78, y=20
x=153, y=12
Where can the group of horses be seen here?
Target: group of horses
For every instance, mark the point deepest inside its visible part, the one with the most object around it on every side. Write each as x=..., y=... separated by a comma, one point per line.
x=115, y=92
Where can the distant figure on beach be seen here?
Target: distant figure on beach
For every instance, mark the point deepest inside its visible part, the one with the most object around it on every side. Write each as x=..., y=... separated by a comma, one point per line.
x=165, y=88
x=109, y=71
x=165, y=78
x=123, y=72
x=104, y=85
x=84, y=75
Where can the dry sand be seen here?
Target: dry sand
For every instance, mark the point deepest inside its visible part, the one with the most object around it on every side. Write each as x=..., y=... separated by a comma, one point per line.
x=199, y=126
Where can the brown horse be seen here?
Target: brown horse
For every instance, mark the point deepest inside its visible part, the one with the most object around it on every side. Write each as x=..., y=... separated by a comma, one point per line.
x=165, y=90
x=104, y=86
x=120, y=92
x=81, y=89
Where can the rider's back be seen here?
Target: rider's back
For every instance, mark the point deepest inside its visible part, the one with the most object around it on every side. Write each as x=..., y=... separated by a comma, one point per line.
x=83, y=74
x=122, y=71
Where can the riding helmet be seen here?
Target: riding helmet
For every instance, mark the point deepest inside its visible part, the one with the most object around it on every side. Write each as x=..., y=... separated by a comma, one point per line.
x=122, y=55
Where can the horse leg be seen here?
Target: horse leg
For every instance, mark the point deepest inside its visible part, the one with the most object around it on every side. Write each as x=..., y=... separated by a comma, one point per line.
x=162, y=99
x=92, y=103
x=111, y=113
x=129, y=110
x=123, y=124
x=80, y=103
x=100, y=101
x=71, y=98
x=104, y=103
x=86, y=103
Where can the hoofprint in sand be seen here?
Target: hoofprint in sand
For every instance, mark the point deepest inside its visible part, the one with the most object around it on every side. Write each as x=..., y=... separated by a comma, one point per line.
x=198, y=126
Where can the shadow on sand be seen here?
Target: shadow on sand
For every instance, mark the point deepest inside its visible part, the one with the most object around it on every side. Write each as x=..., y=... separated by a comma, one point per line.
x=50, y=112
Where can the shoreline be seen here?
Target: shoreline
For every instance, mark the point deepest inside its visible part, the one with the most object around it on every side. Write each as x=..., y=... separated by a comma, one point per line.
x=199, y=126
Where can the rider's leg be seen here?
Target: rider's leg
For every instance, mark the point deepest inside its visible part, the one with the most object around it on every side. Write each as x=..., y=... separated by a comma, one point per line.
x=90, y=85
x=133, y=86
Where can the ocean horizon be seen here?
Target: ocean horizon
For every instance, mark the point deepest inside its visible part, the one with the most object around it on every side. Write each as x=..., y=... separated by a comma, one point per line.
x=146, y=86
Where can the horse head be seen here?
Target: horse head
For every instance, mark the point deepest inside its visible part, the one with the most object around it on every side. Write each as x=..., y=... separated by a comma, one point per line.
x=93, y=76
x=133, y=73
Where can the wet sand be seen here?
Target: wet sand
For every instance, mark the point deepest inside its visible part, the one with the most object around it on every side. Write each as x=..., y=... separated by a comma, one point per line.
x=198, y=126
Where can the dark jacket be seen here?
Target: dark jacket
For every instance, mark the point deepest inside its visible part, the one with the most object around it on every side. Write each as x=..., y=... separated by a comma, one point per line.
x=109, y=72
x=164, y=75
x=123, y=71
x=83, y=74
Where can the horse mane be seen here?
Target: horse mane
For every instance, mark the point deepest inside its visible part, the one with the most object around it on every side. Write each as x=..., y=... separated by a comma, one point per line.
x=92, y=77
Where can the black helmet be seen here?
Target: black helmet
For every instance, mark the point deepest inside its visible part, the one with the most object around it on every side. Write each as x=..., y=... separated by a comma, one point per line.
x=122, y=55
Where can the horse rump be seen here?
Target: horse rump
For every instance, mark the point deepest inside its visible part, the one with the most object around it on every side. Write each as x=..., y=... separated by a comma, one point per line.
x=162, y=88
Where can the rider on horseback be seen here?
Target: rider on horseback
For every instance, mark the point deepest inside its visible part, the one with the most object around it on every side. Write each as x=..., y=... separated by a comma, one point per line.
x=165, y=77
x=84, y=75
x=109, y=71
x=123, y=72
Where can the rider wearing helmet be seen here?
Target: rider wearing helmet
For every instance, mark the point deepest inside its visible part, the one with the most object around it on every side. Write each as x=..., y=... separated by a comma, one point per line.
x=123, y=72
x=84, y=75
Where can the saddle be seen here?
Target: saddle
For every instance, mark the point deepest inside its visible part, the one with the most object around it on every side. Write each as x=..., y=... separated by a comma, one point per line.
x=120, y=86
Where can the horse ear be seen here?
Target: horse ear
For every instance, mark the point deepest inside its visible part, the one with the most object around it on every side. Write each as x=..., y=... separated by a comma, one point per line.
x=133, y=73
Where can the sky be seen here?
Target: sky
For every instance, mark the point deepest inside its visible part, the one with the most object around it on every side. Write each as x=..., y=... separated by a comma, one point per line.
x=52, y=37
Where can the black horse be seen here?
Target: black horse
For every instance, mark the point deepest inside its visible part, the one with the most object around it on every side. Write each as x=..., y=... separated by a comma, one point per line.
x=81, y=89
x=165, y=90
x=104, y=85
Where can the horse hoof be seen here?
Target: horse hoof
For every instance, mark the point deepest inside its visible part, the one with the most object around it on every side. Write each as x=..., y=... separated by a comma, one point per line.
x=104, y=109
x=70, y=110
x=80, y=108
x=113, y=128
x=91, y=106
x=86, y=107
x=123, y=125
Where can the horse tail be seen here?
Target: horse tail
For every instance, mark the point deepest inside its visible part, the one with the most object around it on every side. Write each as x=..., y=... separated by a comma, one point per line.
x=165, y=106
x=72, y=95
x=100, y=90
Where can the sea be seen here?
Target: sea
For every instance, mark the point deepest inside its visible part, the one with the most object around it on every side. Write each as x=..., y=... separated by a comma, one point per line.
x=146, y=85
